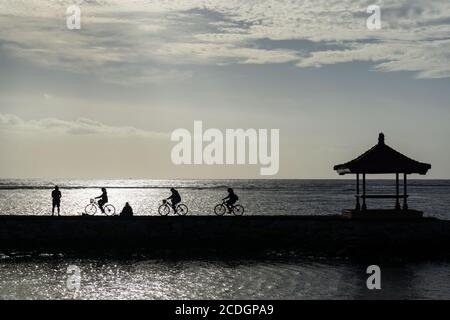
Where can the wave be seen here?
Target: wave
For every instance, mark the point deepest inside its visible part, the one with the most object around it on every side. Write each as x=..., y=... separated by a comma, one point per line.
x=22, y=187
x=295, y=186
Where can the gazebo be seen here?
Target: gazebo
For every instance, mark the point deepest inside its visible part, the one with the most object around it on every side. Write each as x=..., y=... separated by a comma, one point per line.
x=382, y=159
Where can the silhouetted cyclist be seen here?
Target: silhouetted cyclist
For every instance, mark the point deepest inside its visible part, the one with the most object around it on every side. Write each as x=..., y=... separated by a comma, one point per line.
x=56, y=199
x=103, y=199
x=231, y=199
x=175, y=199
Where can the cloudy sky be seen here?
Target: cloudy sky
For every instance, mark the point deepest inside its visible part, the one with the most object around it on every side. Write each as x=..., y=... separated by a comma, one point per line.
x=101, y=102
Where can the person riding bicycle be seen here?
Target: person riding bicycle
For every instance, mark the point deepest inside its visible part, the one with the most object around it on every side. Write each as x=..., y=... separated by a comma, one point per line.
x=175, y=199
x=103, y=199
x=231, y=199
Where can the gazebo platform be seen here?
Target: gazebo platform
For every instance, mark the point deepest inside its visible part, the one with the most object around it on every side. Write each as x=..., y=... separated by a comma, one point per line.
x=382, y=214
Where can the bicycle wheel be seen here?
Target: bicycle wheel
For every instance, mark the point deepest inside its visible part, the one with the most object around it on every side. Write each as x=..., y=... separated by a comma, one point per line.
x=220, y=209
x=90, y=209
x=109, y=210
x=238, y=210
x=182, y=210
x=164, y=210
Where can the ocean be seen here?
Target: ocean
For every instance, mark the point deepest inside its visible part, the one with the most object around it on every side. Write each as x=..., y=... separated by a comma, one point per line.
x=45, y=276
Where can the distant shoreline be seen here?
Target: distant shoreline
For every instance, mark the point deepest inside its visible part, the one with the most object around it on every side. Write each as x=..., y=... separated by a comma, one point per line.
x=371, y=178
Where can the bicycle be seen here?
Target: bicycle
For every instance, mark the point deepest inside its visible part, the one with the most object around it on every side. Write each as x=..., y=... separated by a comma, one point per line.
x=92, y=208
x=222, y=208
x=164, y=209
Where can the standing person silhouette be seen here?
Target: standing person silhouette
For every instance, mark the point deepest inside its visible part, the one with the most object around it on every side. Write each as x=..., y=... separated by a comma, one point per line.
x=56, y=199
x=103, y=199
x=231, y=199
x=175, y=199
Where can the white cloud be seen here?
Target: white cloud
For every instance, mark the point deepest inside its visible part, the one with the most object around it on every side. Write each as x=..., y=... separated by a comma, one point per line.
x=81, y=126
x=160, y=34
x=430, y=59
x=202, y=53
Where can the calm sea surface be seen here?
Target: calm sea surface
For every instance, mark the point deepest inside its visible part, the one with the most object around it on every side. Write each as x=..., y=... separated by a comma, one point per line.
x=45, y=276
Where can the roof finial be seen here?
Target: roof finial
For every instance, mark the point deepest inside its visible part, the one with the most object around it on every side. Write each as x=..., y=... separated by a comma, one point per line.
x=381, y=138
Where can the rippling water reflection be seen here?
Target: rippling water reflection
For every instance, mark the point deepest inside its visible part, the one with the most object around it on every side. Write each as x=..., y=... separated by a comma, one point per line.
x=45, y=278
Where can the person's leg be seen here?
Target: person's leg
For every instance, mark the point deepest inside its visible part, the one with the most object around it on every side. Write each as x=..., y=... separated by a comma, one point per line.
x=174, y=206
x=100, y=204
x=229, y=205
x=53, y=208
x=58, y=205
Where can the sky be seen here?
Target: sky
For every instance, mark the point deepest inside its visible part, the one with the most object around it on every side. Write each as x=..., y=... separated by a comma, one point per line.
x=102, y=101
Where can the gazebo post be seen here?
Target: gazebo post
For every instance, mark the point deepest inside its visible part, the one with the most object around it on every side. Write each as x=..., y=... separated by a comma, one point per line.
x=405, y=202
x=397, y=192
x=364, y=207
x=358, y=206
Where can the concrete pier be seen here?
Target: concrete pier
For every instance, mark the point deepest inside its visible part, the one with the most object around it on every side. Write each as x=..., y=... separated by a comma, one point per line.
x=309, y=235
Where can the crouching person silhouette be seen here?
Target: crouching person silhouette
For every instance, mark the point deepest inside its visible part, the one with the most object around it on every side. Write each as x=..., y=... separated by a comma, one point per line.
x=127, y=211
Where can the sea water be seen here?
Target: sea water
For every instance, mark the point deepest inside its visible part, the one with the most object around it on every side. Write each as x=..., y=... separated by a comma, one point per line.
x=274, y=277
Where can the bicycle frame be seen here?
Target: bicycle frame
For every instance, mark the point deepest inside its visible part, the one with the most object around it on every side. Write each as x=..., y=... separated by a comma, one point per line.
x=95, y=202
x=169, y=205
x=222, y=208
x=180, y=208
x=107, y=208
x=224, y=202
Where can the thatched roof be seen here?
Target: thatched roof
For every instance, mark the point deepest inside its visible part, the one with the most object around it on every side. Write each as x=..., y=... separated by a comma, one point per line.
x=382, y=159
